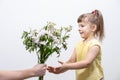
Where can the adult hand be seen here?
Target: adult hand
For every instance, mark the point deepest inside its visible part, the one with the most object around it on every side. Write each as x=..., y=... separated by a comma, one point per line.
x=39, y=69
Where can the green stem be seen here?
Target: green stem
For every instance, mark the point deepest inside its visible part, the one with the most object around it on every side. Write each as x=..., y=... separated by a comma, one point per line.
x=41, y=78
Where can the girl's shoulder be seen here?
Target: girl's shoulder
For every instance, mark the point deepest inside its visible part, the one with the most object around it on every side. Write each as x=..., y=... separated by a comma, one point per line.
x=89, y=43
x=95, y=42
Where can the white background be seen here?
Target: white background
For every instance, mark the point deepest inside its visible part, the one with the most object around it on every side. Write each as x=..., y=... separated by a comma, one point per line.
x=19, y=15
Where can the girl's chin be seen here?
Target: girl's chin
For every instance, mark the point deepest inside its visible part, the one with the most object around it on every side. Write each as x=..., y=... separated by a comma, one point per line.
x=83, y=37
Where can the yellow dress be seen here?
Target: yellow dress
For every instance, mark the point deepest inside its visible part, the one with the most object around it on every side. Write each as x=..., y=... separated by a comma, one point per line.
x=94, y=71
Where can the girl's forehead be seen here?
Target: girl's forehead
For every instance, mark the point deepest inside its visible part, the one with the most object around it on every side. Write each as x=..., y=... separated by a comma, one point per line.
x=85, y=21
x=82, y=23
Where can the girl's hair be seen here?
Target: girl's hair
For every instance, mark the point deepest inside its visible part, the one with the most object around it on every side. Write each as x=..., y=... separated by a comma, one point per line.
x=94, y=18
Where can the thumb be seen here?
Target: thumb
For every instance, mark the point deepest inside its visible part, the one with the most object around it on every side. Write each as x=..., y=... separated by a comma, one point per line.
x=60, y=62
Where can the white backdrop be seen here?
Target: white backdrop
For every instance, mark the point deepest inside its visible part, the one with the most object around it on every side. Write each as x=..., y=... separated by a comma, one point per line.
x=19, y=15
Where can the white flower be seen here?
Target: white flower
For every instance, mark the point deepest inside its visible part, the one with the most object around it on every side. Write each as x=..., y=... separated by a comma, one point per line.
x=56, y=40
x=42, y=32
x=43, y=42
x=33, y=32
x=36, y=39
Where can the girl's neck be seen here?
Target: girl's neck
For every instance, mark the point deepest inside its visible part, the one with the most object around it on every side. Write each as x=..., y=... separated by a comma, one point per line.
x=89, y=39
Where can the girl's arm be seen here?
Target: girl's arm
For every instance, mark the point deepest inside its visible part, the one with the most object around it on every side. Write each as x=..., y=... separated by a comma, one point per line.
x=92, y=54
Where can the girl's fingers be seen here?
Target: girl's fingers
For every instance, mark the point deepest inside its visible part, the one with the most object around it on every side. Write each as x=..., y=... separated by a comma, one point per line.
x=60, y=62
x=50, y=68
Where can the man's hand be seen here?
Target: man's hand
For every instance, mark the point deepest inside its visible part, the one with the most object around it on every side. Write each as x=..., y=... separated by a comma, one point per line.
x=39, y=69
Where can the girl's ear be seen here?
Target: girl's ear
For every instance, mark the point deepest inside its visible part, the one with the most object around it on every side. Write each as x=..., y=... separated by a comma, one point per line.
x=94, y=27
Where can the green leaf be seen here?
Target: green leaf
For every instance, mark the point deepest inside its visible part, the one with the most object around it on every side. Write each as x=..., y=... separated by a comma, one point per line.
x=25, y=34
x=65, y=37
x=64, y=46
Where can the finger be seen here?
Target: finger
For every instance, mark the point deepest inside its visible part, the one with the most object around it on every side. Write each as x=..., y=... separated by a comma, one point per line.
x=50, y=69
x=44, y=65
x=60, y=62
x=57, y=68
x=44, y=68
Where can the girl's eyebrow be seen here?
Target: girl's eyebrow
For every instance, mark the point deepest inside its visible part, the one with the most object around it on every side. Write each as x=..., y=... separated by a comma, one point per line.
x=81, y=24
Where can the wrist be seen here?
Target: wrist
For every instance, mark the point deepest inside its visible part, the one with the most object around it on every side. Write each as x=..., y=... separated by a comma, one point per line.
x=66, y=66
x=31, y=72
x=69, y=66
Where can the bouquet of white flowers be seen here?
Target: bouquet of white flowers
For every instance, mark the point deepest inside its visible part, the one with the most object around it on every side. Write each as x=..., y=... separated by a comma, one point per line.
x=46, y=41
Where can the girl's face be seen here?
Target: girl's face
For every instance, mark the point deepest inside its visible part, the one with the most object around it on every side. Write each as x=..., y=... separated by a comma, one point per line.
x=84, y=30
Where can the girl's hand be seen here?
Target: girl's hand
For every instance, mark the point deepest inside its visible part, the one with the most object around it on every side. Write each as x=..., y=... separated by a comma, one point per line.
x=51, y=69
x=57, y=70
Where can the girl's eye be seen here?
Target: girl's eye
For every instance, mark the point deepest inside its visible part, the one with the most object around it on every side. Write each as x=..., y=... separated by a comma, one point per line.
x=82, y=26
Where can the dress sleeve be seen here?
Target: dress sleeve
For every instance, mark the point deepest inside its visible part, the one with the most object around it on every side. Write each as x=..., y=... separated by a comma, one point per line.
x=95, y=43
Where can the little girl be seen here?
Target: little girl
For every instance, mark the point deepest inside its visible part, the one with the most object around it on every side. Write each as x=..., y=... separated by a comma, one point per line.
x=86, y=57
